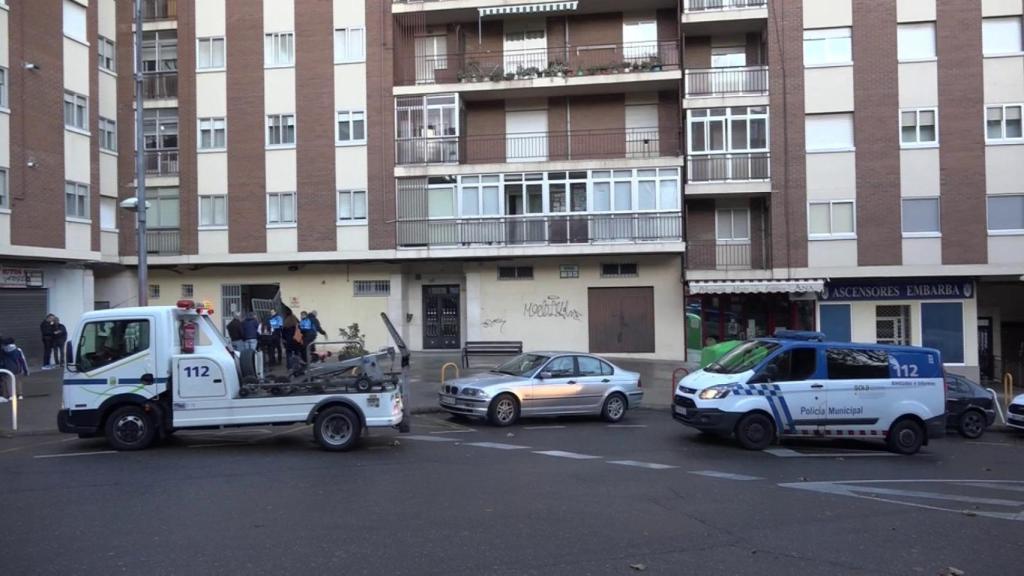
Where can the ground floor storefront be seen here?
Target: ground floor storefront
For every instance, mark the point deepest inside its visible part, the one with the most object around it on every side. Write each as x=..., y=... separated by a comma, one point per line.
x=29, y=290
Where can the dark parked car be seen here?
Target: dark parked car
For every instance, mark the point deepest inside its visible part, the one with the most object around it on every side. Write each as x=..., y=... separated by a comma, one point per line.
x=969, y=407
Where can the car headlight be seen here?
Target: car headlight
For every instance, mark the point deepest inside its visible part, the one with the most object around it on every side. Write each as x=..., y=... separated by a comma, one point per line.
x=473, y=392
x=714, y=392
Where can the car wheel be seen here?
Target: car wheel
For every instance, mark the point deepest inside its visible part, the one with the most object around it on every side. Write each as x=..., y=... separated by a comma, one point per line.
x=130, y=428
x=905, y=437
x=755, y=431
x=972, y=424
x=337, y=429
x=504, y=410
x=614, y=408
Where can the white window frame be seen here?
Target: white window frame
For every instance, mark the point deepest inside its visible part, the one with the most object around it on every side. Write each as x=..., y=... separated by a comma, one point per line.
x=206, y=204
x=350, y=117
x=829, y=38
x=1020, y=37
x=281, y=127
x=853, y=134
x=108, y=135
x=211, y=123
x=280, y=222
x=906, y=32
x=80, y=102
x=5, y=190
x=453, y=190
x=352, y=219
x=917, y=143
x=727, y=119
x=276, y=52
x=212, y=41
x=108, y=206
x=343, y=51
x=77, y=16
x=988, y=221
x=831, y=221
x=937, y=233
x=477, y=186
x=1003, y=139
x=733, y=210
x=4, y=101
x=105, y=44
x=79, y=190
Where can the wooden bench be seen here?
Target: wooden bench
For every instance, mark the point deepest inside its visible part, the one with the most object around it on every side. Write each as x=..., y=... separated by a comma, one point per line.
x=490, y=348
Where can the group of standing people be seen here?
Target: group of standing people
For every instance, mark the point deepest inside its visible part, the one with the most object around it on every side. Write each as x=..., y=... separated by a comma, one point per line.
x=282, y=336
x=55, y=336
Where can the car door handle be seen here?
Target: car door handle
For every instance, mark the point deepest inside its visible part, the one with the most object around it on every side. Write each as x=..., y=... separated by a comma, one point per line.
x=817, y=386
x=571, y=382
x=605, y=381
x=217, y=381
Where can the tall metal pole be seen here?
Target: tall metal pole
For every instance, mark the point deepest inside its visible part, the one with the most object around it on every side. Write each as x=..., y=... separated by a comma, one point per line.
x=140, y=163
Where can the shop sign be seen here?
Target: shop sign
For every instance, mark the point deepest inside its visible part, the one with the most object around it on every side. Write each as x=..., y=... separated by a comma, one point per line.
x=899, y=289
x=11, y=277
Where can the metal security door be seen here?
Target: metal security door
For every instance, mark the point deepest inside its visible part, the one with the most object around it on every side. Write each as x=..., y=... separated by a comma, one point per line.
x=441, y=317
x=231, y=300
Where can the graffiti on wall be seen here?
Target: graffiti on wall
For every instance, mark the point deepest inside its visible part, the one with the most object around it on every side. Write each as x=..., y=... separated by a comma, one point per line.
x=552, y=307
x=498, y=323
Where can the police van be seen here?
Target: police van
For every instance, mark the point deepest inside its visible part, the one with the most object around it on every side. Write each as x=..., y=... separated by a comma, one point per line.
x=798, y=385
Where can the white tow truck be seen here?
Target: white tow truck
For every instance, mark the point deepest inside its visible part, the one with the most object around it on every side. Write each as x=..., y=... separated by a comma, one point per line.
x=136, y=375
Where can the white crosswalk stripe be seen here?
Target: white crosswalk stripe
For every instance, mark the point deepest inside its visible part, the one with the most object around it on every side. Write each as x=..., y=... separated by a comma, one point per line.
x=570, y=455
x=648, y=465
x=725, y=475
x=429, y=438
x=497, y=445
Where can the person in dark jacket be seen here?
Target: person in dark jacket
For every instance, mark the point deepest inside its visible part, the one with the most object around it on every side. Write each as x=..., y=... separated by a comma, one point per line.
x=235, y=332
x=46, y=331
x=289, y=327
x=60, y=339
x=308, y=331
x=13, y=360
x=250, y=331
x=271, y=331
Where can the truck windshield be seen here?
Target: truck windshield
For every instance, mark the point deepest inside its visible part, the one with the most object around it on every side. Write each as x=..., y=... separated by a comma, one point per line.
x=744, y=357
x=522, y=365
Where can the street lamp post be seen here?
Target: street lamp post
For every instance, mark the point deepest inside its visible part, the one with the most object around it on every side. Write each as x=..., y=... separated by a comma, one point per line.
x=140, y=163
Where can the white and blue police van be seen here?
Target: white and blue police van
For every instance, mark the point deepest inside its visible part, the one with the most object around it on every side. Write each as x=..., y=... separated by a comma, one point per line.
x=798, y=385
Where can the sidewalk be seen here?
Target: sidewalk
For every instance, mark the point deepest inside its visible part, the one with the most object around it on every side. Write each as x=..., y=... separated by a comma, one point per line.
x=37, y=412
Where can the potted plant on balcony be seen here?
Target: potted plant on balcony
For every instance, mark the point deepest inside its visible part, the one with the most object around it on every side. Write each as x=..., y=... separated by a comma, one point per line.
x=655, y=63
x=496, y=75
x=470, y=73
x=580, y=71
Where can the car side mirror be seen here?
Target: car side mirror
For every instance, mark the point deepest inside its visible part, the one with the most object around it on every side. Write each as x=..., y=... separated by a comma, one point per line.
x=544, y=375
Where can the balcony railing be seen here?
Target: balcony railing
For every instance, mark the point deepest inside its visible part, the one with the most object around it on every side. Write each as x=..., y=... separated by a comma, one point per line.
x=727, y=81
x=542, y=230
x=735, y=167
x=550, y=62
x=540, y=146
x=712, y=255
x=162, y=162
x=163, y=242
x=711, y=5
x=159, y=9
x=159, y=85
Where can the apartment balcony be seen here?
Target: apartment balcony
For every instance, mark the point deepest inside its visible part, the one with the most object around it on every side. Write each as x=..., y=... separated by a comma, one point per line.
x=550, y=230
x=154, y=10
x=728, y=174
x=713, y=255
x=726, y=82
x=695, y=11
x=162, y=163
x=163, y=242
x=160, y=85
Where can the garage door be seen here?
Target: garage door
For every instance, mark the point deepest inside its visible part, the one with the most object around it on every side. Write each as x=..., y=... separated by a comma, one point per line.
x=621, y=319
x=21, y=313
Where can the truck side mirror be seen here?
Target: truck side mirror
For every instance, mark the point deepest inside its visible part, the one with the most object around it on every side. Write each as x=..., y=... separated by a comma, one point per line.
x=69, y=357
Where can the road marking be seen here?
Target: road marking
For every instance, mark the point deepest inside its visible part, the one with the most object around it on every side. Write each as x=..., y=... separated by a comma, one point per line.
x=626, y=426
x=725, y=475
x=648, y=465
x=219, y=444
x=990, y=443
x=70, y=454
x=498, y=445
x=542, y=427
x=454, y=431
x=429, y=438
x=993, y=486
x=570, y=455
x=787, y=453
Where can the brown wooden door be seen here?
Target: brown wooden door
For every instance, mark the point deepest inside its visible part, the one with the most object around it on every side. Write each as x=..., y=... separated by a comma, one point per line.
x=621, y=319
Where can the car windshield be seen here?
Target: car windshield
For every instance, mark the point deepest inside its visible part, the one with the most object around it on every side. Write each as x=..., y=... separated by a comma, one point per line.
x=522, y=365
x=743, y=357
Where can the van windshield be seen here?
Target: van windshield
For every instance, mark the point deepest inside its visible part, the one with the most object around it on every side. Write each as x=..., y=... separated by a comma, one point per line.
x=743, y=357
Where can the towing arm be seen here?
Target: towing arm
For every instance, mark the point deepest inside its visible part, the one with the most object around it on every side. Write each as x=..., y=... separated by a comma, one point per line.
x=403, y=378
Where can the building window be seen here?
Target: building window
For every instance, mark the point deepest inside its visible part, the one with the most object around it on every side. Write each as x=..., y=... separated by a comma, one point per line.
x=76, y=200
x=515, y=272
x=108, y=134
x=352, y=205
x=5, y=198
x=1003, y=122
x=349, y=45
x=76, y=111
x=717, y=130
x=829, y=132
x=187, y=291
x=281, y=130
x=74, y=21
x=213, y=211
x=480, y=195
x=827, y=47
x=831, y=220
x=281, y=208
x=108, y=213
x=942, y=328
x=441, y=201
x=371, y=288
x=210, y=54
x=729, y=56
x=1006, y=214
x=164, y=208
x=1001, y=36
x=154, y=291
x=919, y=127
x=732, y=225
x=3, y=87
x=213, y=133
x=629, y=190
x=108, y=54
x=915, y=41
x=160, y=51
x=892, y=325
x=279, y=49
x=628, y=270
x=921, y=217
x=351, y=127
x=427, y=129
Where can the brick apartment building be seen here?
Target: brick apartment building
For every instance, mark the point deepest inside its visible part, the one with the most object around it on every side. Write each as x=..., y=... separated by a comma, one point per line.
x=566, y=173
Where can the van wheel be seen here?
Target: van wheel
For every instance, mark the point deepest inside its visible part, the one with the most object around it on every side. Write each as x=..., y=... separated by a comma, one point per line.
x=130, y=428
x=337, y=429
x=504, y=410
x=755, y=431
x=905, y=437
x=614, y=408
x=972, y=424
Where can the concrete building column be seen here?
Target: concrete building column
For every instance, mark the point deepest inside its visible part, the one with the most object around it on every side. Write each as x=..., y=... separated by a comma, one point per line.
x=473, y=305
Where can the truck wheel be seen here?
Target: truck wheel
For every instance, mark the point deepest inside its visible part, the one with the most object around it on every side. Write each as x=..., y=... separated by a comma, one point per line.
x=247, y=363
x=337, y=429
x=614, y=408
x=755, y=431
x=905, y=437
x=130, y=428
x=504, y=410
x=972, y=424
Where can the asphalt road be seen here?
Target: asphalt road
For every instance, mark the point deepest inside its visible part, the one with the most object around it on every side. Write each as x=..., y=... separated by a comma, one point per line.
x=566, y=496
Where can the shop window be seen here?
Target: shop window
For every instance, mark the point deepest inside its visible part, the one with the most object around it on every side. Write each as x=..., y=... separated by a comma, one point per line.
x=942, y=328
x=892, y=325
x=851, y=364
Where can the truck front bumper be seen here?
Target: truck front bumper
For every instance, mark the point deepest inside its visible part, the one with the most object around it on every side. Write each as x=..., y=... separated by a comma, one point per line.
x=81, y=422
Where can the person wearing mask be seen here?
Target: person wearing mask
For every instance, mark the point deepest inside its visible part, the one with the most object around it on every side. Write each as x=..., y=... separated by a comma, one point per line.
x=250, y=331
x=235, y=332
x=60, y=339
x=275, y=325
x=46, y=331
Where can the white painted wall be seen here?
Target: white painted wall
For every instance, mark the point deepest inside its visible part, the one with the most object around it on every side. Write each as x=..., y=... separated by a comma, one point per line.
x=284, y=240
x=279, y=92
x=922, y=251
x=70, y=292
x=108, y=174
x=831, y=253
x=279, y=16
x=991, y=8
x=210, y=18
x=915, y=10
x=828, y=13
x=831, y=176
x=212, y=171
x=76, y=66
x=213, y=241
x=353, y=238
x=5, y=139
x=77, y=164
x=107, y=19
x=5, y=229
x=281, y=171
x=1004, y=169
x=1004, y=79
x=351, y=172
x=919, y=172
x=211, y=94
x=918, y=84
x=828, y=89
x=1006, y=250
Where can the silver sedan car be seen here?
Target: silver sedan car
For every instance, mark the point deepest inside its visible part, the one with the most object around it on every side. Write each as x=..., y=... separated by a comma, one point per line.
x=545, y=384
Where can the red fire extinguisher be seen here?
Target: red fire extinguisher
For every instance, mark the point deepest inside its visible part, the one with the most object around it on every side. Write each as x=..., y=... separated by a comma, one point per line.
x=188, y=338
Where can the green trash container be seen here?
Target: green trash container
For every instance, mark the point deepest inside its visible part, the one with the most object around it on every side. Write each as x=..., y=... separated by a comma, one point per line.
x=715, y=351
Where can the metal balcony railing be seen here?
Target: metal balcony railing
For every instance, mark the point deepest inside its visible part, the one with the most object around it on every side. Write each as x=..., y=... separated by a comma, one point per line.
x=727, y=81
x=540, y=146
x=733, y=167
x=163, y=242
x=635, y=227
x=710, y=5
x=732, y=255
x=160, y=85
x=159, y=9
x=549, y=62
x=162, y=163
